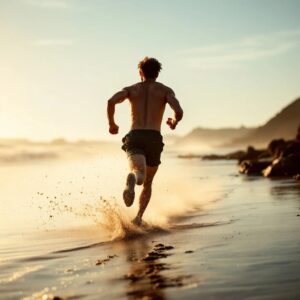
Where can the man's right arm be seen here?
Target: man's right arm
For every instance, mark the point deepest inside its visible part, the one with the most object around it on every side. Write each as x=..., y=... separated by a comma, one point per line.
x=117, y=98
x=178, y=112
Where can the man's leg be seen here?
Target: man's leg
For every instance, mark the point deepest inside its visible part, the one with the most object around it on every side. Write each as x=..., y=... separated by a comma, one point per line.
x=137, y=165
x=146, y=194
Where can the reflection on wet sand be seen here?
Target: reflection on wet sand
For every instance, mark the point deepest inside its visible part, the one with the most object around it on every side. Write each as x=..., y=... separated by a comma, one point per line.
x=282, y=189
x=147, y=278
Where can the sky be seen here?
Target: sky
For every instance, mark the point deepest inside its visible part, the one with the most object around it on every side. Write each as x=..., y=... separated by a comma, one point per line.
x=231, y=63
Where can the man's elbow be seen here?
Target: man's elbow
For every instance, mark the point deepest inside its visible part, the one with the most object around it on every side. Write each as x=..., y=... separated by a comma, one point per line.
x=110, y=102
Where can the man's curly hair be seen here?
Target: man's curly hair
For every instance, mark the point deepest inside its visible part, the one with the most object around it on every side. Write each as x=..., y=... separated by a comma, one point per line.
x=150, y=67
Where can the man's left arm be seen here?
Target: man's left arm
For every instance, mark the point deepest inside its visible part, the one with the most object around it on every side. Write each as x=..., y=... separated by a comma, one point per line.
x=117, y=98
x=178, y=112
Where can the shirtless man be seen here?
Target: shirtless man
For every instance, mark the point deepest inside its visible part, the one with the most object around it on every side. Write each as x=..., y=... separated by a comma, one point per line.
x=144, y=143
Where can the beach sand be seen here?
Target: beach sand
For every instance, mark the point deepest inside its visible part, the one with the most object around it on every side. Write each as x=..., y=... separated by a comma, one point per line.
x=211, y=234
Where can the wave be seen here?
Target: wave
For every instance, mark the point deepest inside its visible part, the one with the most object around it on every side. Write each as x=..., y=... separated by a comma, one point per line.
x=198, y=225
x=20, y=273
x=18, y=151
x=24, y=156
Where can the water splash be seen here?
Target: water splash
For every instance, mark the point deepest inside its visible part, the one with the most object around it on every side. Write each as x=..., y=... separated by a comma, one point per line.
x=116, y=221
x=109, y=216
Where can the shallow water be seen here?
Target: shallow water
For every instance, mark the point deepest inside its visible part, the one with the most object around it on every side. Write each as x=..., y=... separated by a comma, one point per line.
x=64, y=231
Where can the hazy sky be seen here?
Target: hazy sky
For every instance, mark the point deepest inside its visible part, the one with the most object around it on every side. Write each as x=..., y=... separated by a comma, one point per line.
x=230, y=63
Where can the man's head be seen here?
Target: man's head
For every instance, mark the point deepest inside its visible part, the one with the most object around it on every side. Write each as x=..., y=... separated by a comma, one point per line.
x=149, y=68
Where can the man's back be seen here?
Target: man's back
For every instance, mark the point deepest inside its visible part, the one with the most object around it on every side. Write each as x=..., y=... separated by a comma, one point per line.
x=148, y=101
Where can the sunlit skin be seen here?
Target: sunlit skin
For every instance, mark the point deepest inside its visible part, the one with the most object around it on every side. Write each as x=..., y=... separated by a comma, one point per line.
x=157, y=95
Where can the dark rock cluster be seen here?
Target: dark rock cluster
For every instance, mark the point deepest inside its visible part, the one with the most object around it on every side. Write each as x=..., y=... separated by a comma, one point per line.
x=280, y=159
x=250, y=154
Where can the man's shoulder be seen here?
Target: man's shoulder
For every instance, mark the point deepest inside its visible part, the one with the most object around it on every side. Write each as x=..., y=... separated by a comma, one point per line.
x=132, y=86
x=160, y=85
x=166, y=88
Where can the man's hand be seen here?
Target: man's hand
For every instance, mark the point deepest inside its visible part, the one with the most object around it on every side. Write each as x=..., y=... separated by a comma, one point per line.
x=172, y=123
x=113, y=129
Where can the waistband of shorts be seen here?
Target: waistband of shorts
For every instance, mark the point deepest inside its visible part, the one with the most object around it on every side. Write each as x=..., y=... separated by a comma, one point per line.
x=146, y=131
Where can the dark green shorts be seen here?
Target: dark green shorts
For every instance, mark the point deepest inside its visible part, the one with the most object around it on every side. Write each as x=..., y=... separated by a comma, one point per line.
x=146, y=142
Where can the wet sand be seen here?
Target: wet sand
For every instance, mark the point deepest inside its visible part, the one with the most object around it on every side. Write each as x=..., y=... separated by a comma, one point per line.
x=242, y=244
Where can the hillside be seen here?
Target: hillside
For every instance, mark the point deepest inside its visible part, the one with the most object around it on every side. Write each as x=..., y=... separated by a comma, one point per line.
x=283, y=125
x=214, y=137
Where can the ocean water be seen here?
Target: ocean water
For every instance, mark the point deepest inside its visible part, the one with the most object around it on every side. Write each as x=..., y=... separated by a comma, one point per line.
x=64, y=230
x=48, y=205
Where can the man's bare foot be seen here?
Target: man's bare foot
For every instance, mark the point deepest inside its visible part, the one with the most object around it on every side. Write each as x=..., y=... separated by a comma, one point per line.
x=128, y=194
x=137, y=221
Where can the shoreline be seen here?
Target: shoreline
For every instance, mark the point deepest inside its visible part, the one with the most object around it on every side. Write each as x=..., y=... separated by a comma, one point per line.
x=243, y=244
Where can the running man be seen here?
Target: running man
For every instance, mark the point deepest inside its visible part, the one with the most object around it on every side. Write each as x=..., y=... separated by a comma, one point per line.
x=144, y=144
